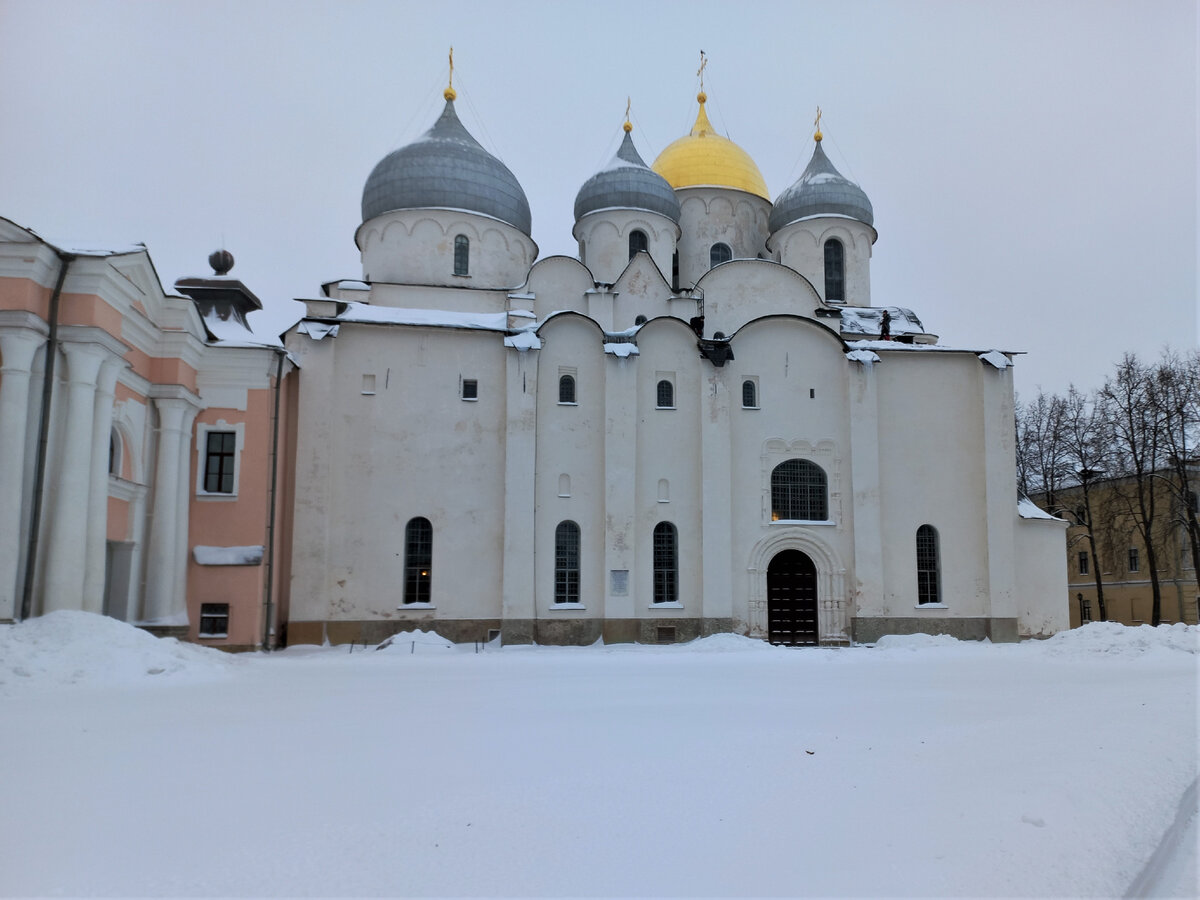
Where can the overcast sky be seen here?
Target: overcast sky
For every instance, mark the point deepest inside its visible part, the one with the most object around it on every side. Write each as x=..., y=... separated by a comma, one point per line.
x=1032, y=164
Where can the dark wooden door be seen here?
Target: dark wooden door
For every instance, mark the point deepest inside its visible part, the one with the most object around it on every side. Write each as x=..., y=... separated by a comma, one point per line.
x=792, y=600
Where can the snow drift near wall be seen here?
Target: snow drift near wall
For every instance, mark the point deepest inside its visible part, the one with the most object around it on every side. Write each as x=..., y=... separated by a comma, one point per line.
x=78, y=648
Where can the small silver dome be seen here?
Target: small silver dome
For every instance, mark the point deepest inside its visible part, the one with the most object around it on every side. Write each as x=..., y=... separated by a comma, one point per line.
x=821, y=190
x=627, y=183
x=446, y=168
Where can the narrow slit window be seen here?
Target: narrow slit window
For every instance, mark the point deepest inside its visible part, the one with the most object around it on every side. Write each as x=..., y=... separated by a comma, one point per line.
x=835, y=271
x=462, y=255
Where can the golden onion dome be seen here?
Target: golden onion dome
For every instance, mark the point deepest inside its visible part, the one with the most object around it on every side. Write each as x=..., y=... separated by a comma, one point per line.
x=703, y=157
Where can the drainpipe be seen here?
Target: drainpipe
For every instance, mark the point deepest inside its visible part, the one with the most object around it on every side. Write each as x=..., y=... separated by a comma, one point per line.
x=39, y=478
x=268, y=604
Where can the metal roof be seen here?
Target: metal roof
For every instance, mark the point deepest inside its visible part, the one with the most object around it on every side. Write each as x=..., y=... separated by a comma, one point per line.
x=627, y=183
x=446, y=168
x=821, y=190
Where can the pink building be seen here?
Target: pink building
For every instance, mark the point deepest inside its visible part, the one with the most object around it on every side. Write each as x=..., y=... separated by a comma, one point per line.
x=144, y=470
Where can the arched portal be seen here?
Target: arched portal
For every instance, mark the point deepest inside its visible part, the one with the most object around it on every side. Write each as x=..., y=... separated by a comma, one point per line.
x=792, y=599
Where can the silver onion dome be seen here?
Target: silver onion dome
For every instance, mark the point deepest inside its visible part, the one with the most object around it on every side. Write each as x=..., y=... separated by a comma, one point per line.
x=822, y=190
x=446, y=168
x=627, y=183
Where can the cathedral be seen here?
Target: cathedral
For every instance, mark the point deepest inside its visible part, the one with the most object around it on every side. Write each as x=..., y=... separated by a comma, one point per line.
x=700, y=424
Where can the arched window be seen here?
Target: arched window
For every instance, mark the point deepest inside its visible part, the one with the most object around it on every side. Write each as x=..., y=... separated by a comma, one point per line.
x=666, y=563
x=665, y=395
x=418, y=560
x=835, y=271
x=799, y=491
x=566, y=563
x=566, y=389
x=462, y=254
x=114, y=453
x=637, y=241
x=719, y=253
x=928, y=587
x=749, y=394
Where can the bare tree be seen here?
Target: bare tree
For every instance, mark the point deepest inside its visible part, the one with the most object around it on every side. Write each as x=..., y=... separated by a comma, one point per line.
x=1040, y=461
x=1086, y=455
x=1177, y=392
x=1135, y=425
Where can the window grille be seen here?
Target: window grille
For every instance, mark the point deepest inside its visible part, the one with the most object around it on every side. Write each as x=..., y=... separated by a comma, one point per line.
x=214, y=619
x=637, y=242
x=666, y=394
x=749, y=394
x=566, y=563
x=799, y=491
x=566, y=389
x=666, y=563
x=720, y=253
x=928, y=587
x=418, y=561
x=470, y=389
x=835, y=271
x=218, y=462
x=1085, y=609
x=462, y=254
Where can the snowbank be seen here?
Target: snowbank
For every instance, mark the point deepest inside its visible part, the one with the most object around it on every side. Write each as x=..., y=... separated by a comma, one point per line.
x=1125, y=640
x=79, y=648
x=918, y=641
x=416, y=641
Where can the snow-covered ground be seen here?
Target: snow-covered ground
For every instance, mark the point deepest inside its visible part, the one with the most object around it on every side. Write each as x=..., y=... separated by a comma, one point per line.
x=919, y=767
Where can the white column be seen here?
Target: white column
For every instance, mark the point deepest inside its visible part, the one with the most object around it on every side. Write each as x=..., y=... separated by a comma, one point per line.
x=159, y=601
x=68, y=520
x=178, y=612
x=97, y=511
x=17, y=350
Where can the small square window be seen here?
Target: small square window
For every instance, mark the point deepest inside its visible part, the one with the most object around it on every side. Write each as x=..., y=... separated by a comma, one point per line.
x=665, y=634
x=214, y=620
x=470, y=389
x=368, y=384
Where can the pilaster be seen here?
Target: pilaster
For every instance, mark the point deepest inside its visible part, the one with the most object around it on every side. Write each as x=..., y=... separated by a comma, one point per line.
x=97, y=509
x=17, y=351
x=520, y=455
x=162, y=562
x=63, y=584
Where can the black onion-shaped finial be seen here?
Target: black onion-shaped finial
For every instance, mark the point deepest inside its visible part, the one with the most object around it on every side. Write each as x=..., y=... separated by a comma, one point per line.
x=221, y=261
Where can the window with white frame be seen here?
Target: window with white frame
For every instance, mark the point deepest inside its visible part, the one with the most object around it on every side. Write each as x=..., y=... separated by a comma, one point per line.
x=219, y=450
x=214, y=620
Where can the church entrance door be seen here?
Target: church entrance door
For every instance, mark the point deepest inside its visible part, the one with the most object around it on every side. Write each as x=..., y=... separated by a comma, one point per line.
x=792, y=600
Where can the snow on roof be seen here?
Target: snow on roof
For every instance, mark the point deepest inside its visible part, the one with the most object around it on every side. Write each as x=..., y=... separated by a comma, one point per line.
x=96, y=248
x=232, y=333
x=863, y=356
x=525, y=340
x=1027, y=509
x=228, y=556
x=622, y=350
x=996, y=358
x=867, y=319
x=917, y=348
x=441, y=318
x=348, y=284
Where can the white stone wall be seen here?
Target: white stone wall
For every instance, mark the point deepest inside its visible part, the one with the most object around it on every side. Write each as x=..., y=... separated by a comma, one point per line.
x=417, y=247
x=801, y=246
x=718, y=215
x=603, y=238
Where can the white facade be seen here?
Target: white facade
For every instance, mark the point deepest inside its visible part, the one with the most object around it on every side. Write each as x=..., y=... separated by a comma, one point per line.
x=498, y=414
